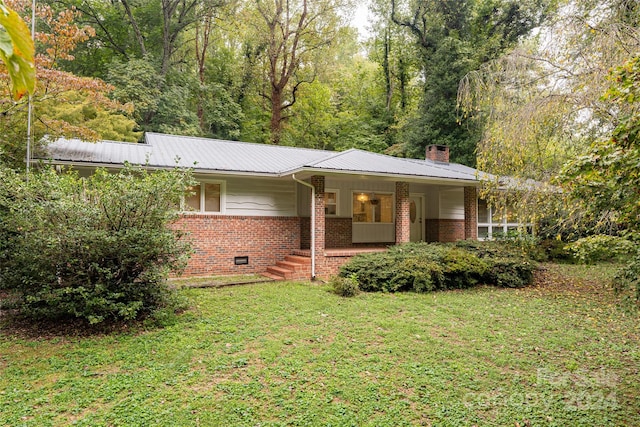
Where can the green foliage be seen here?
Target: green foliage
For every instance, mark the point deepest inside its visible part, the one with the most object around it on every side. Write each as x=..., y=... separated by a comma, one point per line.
x=627, y=281
x=17, y=52
x=345, y=286
x=604, y=181
x=454, y=40
x=601, y=247
x=97, y=248
x=553, y=250
x=625, y=93
x=422, y=267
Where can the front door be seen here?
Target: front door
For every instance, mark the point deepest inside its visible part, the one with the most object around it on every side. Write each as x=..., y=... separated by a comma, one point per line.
x=415, y=217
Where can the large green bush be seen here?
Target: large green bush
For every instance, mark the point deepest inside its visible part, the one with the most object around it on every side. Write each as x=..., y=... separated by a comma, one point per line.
x=601, y=247
x=97, y=248
x=423, y=267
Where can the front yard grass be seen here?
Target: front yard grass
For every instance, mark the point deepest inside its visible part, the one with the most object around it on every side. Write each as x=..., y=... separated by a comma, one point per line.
x=556, y=354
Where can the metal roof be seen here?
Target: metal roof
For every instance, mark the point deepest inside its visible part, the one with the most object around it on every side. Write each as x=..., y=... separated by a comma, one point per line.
x=217, y=156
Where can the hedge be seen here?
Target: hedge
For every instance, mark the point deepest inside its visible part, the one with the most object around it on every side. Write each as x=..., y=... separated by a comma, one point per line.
x=424, y=267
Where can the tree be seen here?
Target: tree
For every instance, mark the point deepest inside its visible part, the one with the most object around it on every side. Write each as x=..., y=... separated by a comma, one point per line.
x=604, y=182
x=605, y=178
x=295, y=31
x=57, y=36
x=455, y=37
x=542, y=106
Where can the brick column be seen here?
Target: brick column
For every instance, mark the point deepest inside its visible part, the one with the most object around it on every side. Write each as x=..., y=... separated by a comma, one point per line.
x=471, y=213
x=319, y=227
x=403, y=221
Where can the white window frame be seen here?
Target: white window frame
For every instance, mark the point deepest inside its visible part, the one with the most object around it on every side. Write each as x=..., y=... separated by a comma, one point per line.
x=387, y=193
x=337, y=204
x=223, y=198
x=497, y=224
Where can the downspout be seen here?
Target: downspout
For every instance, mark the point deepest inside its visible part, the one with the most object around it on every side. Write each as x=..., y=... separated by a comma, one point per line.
x=313, y=224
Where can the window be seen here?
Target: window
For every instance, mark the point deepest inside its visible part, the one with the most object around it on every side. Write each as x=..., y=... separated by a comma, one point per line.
x=493, y=222
x=372, y=208
x=331, y=198
x=204, y=197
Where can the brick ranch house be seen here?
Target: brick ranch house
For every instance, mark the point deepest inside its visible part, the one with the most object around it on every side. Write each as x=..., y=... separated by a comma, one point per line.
x=296, y=212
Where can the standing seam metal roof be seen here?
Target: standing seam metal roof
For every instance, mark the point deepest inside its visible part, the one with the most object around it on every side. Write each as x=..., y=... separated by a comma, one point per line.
x=203, y=154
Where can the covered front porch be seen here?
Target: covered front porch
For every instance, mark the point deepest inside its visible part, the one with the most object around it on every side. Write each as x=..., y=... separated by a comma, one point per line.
x=342, y=216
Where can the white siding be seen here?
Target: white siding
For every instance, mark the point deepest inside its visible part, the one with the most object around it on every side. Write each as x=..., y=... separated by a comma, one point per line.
x=452, y=204
x=304, y=200
x=260, y=197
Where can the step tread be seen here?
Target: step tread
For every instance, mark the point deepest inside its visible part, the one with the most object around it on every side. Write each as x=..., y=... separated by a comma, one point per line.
x=279, y=270
x=298, y=259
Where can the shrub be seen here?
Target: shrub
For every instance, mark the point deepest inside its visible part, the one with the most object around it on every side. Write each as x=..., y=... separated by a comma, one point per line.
x=345, y=286
x=422, y=267
x=627, y=281
x=97, y=248
x=601, y=247
x=525, y=242
x=554, y=250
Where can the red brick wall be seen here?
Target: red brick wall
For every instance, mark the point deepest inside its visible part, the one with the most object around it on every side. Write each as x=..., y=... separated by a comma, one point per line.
x=305, y=233
x=338, y=234
x=217, y=239
x=471, y=213
x=330, y=266
x=445, y=230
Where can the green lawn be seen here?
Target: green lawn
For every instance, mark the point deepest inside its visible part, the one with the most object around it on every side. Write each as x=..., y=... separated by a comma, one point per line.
x=557, y=354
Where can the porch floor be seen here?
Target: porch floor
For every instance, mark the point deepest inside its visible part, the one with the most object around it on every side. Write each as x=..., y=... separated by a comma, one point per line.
x=339, y=252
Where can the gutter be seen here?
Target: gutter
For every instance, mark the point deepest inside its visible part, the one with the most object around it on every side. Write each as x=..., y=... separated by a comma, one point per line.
x=313, y=223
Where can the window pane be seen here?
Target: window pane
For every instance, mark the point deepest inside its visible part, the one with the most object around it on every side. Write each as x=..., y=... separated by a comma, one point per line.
x=483, y=212
x=330, y=203
x=192, y=199
x=212, y=197
x=360, y=207
x=483, y=232
x=497, y=215
x=330, y=198
x=386, y=208
x=372, y=207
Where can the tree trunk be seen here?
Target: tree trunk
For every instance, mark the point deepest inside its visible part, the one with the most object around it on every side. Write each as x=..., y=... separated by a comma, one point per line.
x=136, y=29
x=386, y=67
x=276, y=115
x=203, y=31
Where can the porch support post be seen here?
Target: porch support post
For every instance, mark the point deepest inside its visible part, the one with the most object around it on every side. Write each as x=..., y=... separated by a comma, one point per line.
x=471, y=213
x=403, y=223
x=319, y=224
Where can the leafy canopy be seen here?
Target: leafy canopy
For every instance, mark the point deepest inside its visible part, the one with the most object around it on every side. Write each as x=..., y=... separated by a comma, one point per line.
x=16, y=51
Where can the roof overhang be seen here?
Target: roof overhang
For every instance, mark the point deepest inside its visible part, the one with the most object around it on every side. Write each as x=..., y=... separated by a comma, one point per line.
x=301, y=173
x=304, y=173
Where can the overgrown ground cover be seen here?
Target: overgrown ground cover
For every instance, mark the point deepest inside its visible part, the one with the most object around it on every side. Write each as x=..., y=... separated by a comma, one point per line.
x=559, y=353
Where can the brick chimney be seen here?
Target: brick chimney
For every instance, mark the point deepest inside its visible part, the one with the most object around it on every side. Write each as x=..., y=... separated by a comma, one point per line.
x=437, y=153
